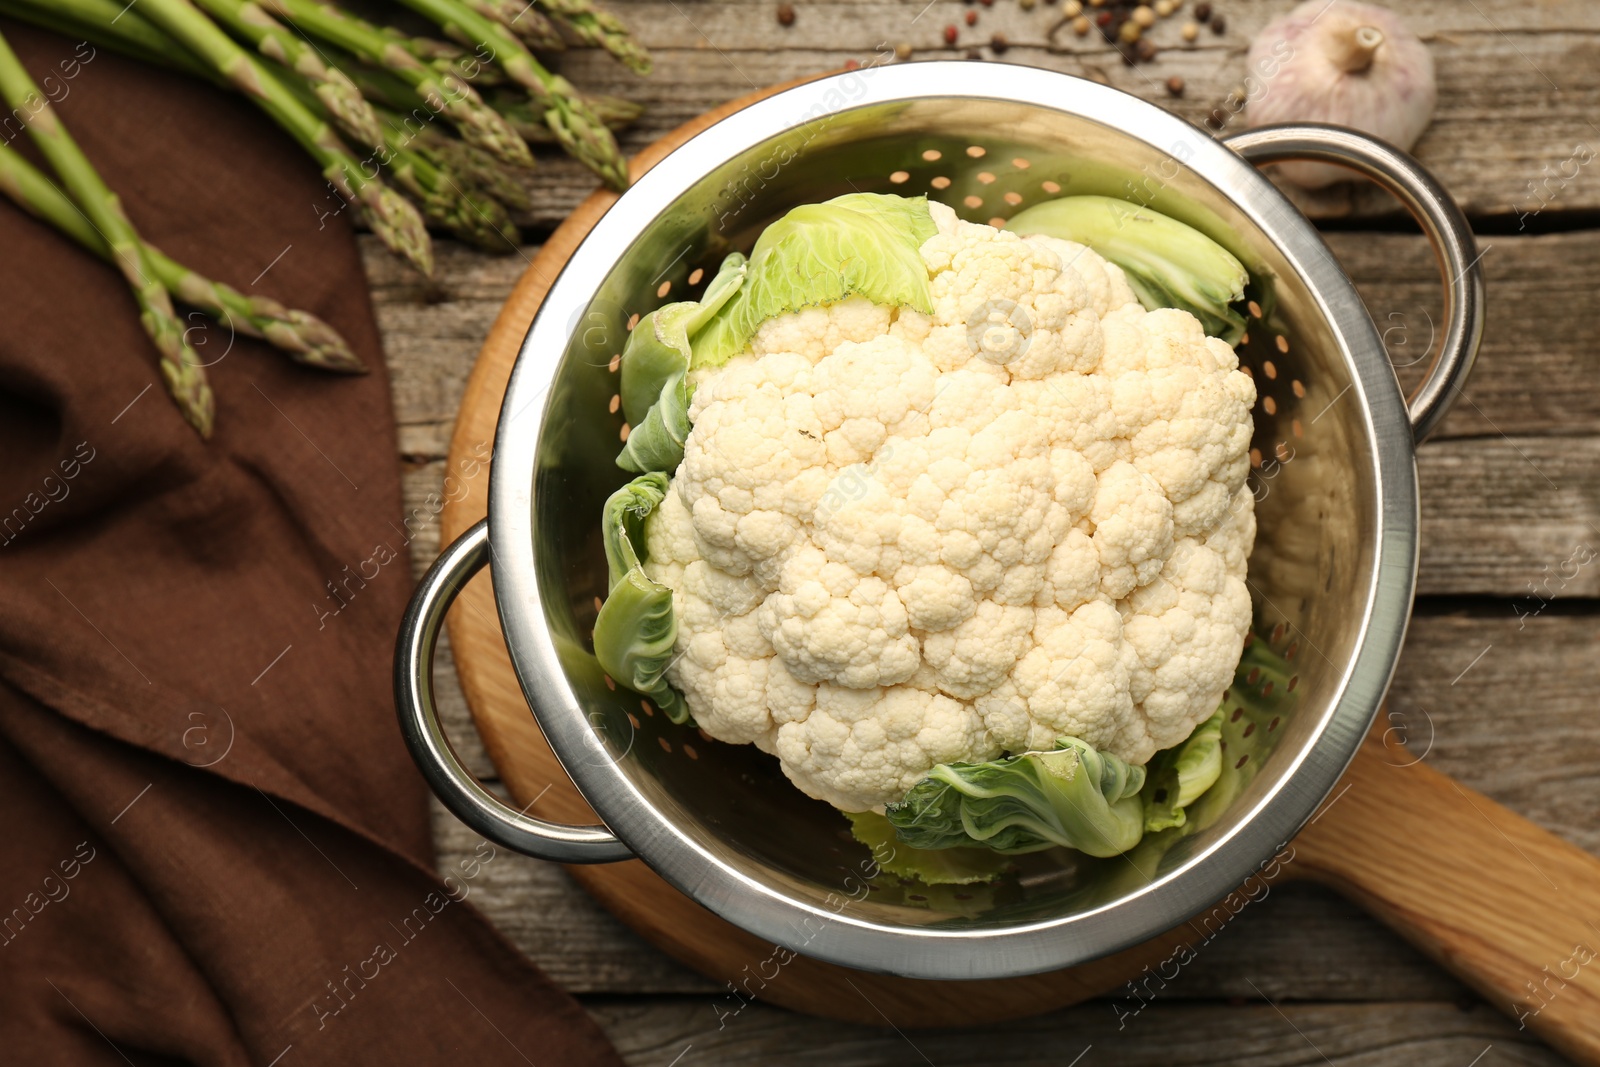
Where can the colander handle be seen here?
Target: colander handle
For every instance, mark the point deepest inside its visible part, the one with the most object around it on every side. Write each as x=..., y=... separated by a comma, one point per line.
x=1437, y=214
x=463, y=794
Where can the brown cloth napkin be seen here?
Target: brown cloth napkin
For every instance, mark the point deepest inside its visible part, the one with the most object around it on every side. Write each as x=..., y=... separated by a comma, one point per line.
x=215, y=849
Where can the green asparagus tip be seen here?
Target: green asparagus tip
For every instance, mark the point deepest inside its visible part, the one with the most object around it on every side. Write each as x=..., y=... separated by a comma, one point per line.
x=398, y=224
x=187, y=385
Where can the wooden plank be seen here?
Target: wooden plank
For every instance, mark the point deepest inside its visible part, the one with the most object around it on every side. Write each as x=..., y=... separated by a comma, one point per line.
x=1534, y=374
x=1454, y=707
x=664, y=1032
x=1499, y=512
x=1518, y=82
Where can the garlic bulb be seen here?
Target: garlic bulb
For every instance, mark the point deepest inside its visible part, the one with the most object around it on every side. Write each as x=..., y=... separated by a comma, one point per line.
x=1343, y=62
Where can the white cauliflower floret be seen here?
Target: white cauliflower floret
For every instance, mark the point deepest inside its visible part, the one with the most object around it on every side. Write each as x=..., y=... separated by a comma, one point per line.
x=898, y=539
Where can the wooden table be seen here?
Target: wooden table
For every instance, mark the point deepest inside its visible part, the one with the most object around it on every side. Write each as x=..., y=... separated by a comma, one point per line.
x=1500, y=681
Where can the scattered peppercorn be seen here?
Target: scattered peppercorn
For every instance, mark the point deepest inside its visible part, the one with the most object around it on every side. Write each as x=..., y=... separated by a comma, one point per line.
x=1129, y=32
x=999, y=44
x=986, y=3
x=1165, y=7
x=1219, y=25
x=852, y=64
x=1027, y=5
x=1190, y=31
x=902, y=51
x=1144, y=16
x=786, y=14
x=1071, y=9
x=1216, y=119
x=1174, y=86
x=1144, y=50
x=972, y=18
x=1103, y=19
x=1202, y=12
x=973, y=53
x=1081, y=25
x=950, y=35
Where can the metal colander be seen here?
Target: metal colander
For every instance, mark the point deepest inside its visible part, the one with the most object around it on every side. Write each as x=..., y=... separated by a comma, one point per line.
x=1333, y=473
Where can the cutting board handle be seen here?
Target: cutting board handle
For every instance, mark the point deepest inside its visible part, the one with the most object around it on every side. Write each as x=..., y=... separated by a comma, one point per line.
x=1508, y=907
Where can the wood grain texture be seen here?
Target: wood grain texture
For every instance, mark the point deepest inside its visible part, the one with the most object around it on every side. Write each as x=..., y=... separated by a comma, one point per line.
x=1508, y=493
x=654, y=1032
x=1536, y=682
x=1505, y=904
x=727, y=954
x=1519, y=83
x=1501, y=125
x=1535, y=375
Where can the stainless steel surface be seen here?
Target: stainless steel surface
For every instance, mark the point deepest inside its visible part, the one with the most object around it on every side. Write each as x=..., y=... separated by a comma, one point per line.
x=1441, y=220
x=1335, y=480
x=466, y=798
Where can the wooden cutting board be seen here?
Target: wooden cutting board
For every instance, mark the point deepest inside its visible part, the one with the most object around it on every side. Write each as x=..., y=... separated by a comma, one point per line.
x=1510, y=908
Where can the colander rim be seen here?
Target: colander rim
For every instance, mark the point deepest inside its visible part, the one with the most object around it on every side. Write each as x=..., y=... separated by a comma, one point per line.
x=934, y=952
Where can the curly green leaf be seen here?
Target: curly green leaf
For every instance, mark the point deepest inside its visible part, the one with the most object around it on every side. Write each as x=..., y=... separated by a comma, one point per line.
x=945, y=866
x=1168, y=264
x=1072, y=796
x=865, y=244
x=636, y=631
x=1177, y=777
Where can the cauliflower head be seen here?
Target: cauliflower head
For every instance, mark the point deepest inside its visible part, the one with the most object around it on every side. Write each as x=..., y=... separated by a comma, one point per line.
x=900, y=539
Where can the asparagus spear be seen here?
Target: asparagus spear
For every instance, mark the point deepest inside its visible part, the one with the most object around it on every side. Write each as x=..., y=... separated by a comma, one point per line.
x=306, y=338
x=478, y=171
x=523, y=19
x=446, y=198
x=180, y=366
x=575, y=125
x=595, y=26
x=131, y=35
x=342, y=100
x=526, y=119
x=390, y=215
x=447, y=94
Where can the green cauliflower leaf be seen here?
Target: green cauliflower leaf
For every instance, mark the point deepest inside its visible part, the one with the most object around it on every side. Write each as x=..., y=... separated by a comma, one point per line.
x=636, y=631
x=863, y=244
x=1072, y=796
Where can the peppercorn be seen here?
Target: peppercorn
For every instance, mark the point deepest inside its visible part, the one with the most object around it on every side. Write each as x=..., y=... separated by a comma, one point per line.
x=1027, y=5
x=986, y=3
x=1103, y=19
x=1081, y=25
x=786, y=14
x=950, y=35
x=1202, y=12
x=973, y=53
x=972, y=18
x=1129, y=32
x=999, y=44
x=1219, y=25
x=1174, y=86
x=1071, y=9
x=1144, y=49
x=1190, y=31
x=902, y=51
x=1216, y=119
x=1165, y=8
x=1144, y=16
